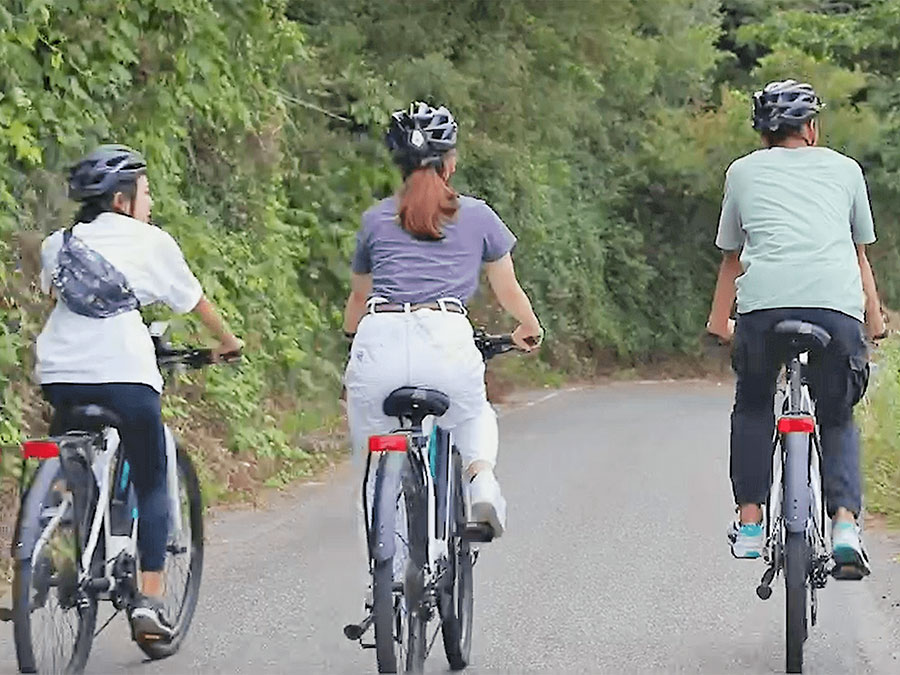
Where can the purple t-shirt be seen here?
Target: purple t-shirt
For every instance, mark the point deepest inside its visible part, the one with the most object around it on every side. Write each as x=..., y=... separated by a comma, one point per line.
x=405, y=269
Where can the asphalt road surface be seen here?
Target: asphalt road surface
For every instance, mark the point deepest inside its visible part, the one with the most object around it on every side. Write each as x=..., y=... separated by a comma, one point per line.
x=615, y=561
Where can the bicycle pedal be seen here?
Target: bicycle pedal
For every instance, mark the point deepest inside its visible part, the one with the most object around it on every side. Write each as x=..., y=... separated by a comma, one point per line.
x=478, y=532
x=848, y=572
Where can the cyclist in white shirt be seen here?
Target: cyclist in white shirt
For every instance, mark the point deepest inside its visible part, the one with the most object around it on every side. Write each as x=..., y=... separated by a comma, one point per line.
x=111, y=361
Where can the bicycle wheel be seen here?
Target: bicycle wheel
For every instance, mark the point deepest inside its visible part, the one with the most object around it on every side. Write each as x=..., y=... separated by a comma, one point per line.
x=456, y=599
x=398, y=579
x=184, y=562
x=796, y=572
x=54, y=618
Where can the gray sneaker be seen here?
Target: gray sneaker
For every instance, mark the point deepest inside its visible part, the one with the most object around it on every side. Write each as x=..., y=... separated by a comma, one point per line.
x=147, y=621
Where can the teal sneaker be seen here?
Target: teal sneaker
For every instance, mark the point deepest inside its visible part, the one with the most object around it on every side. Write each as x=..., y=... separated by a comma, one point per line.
x=850, y=559
x=747, y=540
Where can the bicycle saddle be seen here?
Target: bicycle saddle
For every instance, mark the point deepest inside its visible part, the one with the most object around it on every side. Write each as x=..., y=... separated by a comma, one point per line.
x=415, y=403
x=92, y=418
x=802, y=336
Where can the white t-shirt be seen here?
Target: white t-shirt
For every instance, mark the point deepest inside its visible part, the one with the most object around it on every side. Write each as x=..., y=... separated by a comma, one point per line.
x=81, y=350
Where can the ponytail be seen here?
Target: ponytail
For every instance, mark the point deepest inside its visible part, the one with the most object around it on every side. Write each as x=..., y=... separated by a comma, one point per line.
x=427, y=203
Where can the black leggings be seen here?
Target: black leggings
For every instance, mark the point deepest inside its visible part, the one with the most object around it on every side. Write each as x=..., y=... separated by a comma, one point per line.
x=143, y=441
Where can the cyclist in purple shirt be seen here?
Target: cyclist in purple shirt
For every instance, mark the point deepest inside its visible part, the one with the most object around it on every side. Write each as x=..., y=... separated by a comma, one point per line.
x=418, y=260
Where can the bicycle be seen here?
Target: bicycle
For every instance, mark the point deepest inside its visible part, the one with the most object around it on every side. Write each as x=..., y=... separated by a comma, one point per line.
x=797, y=541
x=76, y=536
x=418, y=533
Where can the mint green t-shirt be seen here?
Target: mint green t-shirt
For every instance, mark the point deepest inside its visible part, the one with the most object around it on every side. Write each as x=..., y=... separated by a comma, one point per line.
x=795, y=214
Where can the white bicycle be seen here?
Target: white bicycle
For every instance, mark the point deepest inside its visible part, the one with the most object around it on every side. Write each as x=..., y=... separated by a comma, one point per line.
x=76, y=537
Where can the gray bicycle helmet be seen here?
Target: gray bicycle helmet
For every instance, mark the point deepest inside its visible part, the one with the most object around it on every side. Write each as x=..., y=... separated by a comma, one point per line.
x=784, y=104
x=421, y=135
x=104, y=170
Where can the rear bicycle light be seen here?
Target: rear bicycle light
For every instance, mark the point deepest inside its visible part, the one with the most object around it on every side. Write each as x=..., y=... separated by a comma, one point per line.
x=390, y=443
x=787, y=425
x=40, y=449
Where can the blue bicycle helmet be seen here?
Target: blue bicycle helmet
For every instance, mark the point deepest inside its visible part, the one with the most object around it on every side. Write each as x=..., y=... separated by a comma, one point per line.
x=784, y=104
x=104, y=170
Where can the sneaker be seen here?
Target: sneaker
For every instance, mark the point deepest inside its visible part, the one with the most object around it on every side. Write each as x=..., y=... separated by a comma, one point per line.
x=487, y=504
x=147, y=621
x=850, y=559
x=747, y=540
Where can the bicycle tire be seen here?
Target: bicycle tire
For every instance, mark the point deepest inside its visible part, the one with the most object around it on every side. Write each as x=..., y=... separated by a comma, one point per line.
x=49, y=486
x=191, y=499
x=796, y=572
x=457, y=597
x=387, y=611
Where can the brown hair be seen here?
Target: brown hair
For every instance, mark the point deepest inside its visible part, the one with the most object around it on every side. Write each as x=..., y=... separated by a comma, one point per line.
x=427, y=203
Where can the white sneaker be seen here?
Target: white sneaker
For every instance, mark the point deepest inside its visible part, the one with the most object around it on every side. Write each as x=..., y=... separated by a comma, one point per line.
x=487, y=503
x=747, y=540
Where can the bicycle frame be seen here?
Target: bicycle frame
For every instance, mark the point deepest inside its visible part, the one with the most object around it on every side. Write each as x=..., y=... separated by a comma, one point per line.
x=796, y=495
x=101, y=450
x=796, y=501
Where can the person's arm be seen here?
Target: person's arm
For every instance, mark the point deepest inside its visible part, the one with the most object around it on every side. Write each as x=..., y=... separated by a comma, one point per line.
x=177, y=286
x=502, y=278
x=360, y=288
x=208, y=314
x=874, y=317
x=730, y=240
x=720, y=323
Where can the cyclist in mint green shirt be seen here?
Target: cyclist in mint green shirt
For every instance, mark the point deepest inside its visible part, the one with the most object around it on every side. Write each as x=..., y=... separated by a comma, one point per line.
x=794, y=225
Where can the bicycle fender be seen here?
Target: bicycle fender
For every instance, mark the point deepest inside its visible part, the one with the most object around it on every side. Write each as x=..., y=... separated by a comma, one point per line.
x=28, y=527
x=388, y=481
x=796, y=506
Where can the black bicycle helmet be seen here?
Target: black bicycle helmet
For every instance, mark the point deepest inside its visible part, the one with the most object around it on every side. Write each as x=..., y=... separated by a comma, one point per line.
x=104, y=170
x=784, y=104
x=421, y=135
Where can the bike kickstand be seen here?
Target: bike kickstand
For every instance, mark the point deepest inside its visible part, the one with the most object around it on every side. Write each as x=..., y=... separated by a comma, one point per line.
x=764, y=590
x=355, y=631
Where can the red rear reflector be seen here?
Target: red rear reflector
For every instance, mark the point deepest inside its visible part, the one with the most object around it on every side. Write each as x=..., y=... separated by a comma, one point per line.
x=392, y=443
x=39, y=449
x=787, y=425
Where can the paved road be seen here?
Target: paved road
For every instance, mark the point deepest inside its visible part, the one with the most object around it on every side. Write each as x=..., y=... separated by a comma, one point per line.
x=614, y=562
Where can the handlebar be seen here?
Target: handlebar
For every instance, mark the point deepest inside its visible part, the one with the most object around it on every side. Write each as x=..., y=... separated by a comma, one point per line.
x=172, y=359
x=493, y=345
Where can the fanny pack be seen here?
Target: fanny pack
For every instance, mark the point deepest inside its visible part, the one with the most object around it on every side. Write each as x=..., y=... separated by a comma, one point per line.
x=88, y=283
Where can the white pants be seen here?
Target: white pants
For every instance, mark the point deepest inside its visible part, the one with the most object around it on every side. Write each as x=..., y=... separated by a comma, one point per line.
x=425, y=348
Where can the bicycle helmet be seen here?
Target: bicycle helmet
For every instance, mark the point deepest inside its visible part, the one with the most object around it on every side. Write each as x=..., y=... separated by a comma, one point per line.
x=421, y=136
x=784, y=104
x=103, y=170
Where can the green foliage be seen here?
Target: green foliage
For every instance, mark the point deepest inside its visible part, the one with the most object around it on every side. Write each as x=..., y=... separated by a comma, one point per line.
x=881, y=429
x=599, y=130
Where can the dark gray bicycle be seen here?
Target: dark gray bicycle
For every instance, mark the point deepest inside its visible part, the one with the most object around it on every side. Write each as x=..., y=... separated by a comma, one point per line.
x=419, y=535
x=797, y=541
